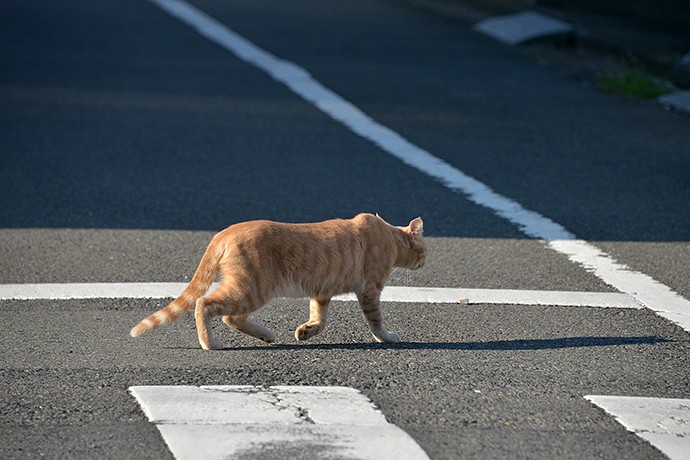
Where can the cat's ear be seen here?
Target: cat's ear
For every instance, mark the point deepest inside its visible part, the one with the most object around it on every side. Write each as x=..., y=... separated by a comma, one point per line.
x=416, y=227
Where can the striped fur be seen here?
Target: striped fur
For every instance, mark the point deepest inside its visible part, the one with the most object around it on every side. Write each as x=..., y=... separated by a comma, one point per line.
x=259, y=260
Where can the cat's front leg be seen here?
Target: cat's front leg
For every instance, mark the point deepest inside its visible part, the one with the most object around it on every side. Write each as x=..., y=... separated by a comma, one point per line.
x=370, y=301
x=318, y=315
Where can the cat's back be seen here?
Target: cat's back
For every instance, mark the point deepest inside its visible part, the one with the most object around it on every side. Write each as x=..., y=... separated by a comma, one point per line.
x=269, y=234
x=263, y=231
x=323, y=258
x=266, y=239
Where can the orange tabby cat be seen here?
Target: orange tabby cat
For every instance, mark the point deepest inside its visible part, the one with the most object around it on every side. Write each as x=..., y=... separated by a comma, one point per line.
x=259, y=260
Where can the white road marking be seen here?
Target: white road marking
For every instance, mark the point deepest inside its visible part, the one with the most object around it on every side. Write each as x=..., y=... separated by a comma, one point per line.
x=664, y=423
x=219, y=422
x=404, y=294
x=645, y=289
x=401, y=294
x=514, y=29
x=69, y=291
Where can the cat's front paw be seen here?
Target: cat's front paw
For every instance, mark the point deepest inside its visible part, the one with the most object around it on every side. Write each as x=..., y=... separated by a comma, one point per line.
x=268, y=336
x=306, y=331
x=387, y=337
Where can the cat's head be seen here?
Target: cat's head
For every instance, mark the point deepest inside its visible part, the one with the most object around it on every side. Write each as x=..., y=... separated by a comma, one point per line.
x=412, y=253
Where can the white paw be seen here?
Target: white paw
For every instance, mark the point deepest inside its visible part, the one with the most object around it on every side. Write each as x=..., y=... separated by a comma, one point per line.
x=268, y=336
x=214, y=344
x=387, y=337
x=306, y=331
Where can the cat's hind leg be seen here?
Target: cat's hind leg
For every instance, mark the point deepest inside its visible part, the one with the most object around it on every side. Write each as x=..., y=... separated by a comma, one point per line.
x=370, y=301
x=245, y=325
x=318, y=315
x=206, y=308
x=219, y=303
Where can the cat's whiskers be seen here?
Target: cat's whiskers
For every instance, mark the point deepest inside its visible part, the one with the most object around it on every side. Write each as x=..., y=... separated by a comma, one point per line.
x=407, y=274
x=394, y=274
x=400, y=275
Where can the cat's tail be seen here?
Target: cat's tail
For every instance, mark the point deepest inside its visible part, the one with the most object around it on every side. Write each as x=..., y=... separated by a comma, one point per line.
x=201, y=281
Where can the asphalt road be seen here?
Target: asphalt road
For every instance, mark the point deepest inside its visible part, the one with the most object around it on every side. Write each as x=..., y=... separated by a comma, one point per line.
x=127, y=140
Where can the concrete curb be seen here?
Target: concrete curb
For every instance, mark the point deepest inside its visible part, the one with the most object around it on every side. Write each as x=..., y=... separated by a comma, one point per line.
x=679, y=101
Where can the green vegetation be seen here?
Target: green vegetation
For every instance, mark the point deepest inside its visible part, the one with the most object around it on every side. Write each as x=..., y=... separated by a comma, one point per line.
x=633, y=81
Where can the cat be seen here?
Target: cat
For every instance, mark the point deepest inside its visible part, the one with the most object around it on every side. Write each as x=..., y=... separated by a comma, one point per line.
x=260, y=260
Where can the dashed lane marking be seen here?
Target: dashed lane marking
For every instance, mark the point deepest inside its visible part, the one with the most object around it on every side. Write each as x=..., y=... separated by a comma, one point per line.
x=220, y=422
x=654, y=295
x=664, y=423
x=401, y=294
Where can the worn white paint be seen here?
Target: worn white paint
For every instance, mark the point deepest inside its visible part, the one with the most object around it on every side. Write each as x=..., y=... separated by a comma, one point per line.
x=219, y=422
x=664, y=423
x=514, y=29
x=651, y=293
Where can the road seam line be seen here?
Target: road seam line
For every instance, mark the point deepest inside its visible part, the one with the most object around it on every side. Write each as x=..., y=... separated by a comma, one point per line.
x=645, y=289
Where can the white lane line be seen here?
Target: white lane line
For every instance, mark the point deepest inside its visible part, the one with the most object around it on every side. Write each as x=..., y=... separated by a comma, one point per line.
x=70, y=291
x=404, y=294
x=219, y=422
x=645, y=289
x=401, y=294
x=654, y=295
x=664, y=423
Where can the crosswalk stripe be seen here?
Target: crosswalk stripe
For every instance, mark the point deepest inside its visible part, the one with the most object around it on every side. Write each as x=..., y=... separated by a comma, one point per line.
x=228, y=421
x=663, y=422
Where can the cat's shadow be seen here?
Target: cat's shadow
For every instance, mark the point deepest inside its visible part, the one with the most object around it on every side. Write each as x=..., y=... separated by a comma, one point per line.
x=494, y=345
